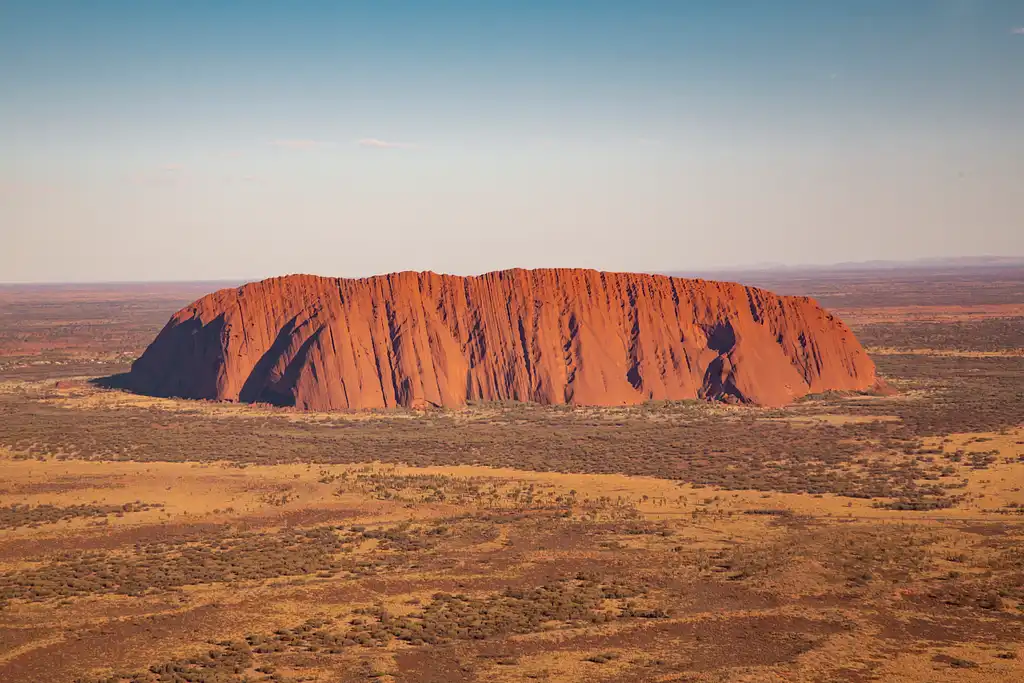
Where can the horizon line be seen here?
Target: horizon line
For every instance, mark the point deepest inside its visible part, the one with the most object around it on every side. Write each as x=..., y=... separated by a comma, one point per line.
x=984, y=261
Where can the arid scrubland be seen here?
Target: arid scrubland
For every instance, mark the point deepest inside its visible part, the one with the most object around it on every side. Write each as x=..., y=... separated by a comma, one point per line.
x=844, y=538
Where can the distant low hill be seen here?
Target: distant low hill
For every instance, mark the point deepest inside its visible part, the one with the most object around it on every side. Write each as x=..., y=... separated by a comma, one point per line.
x=927, y=264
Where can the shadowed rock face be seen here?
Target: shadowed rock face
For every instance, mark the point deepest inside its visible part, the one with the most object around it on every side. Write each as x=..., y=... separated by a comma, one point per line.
x=549, y=336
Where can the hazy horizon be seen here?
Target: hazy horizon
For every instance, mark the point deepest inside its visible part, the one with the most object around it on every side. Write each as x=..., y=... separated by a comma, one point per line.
x=928, y=265
x=232, y=141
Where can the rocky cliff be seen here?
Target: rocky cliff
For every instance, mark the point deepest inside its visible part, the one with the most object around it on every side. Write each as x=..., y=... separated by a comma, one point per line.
x=550, y=336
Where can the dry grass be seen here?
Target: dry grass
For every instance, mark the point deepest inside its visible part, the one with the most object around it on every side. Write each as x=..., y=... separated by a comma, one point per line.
x=843, y=538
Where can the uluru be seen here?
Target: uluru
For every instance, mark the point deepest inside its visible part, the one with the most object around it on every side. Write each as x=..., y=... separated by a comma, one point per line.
x=551, y=336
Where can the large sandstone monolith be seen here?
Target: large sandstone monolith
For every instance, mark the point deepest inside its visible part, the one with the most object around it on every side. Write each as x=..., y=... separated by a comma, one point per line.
x=549, y=336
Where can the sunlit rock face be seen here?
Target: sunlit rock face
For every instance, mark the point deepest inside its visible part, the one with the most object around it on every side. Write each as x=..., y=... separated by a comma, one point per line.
x=550, y=336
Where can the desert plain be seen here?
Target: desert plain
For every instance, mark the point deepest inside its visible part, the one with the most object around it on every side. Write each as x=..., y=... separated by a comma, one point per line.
x=846, y=537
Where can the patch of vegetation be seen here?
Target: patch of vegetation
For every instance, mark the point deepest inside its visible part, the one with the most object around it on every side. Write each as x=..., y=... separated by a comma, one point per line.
x=21, y=515
x=986, y=334
x=484, y=492
x=246, y=556
x=749, y=449
x=580, y=601
x=230, y=662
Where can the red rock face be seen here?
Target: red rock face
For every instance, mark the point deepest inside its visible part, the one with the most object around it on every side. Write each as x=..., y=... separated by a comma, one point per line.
x=549, y=336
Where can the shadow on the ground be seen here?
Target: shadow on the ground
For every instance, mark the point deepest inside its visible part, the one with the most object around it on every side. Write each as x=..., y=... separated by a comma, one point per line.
x=121, y=381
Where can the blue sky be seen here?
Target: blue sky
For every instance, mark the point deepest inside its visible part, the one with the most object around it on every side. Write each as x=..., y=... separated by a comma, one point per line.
x=197, y=140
